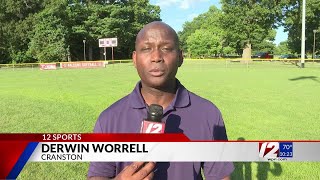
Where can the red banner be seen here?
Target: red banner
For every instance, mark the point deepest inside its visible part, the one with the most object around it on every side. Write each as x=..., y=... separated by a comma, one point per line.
x=78, y=65
x=48, y=66
x=92, y=137
x=10, y=152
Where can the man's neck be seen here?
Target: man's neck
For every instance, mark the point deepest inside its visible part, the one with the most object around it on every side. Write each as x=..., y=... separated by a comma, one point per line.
x=160, y=96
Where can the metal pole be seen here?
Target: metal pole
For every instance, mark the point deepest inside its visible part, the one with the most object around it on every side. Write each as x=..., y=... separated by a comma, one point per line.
x=84, y=49
x=314, y=44
x=303, y=33
x=105, y=53
x=112, y=56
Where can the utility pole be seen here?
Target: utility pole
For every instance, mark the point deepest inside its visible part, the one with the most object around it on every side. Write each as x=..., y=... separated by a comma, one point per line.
x=84, y=49
x=303, y=33
x=314, y=43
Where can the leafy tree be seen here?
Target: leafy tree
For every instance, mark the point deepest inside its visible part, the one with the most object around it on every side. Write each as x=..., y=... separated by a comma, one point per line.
x=203, y=43
x=121, y=19
x=204, y=36
x=27, y=27
x=16, y=24
x=282, y=48
x=188, y=29
x=247, y=23
x=223, y=25
x=292, y=20
x=208, y=21
x=48, y=43
x=266, y=45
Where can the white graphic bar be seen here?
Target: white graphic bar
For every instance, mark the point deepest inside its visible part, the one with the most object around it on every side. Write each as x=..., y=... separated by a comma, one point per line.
x=176, y=151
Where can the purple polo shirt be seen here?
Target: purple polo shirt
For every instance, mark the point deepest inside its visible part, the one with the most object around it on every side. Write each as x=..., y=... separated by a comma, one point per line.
x=188, y=113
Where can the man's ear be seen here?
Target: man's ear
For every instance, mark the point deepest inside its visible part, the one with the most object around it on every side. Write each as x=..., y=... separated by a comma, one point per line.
x=180, y=58
x=134, y=58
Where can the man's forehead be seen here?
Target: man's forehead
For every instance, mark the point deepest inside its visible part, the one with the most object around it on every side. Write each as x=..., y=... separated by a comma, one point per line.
x=155, y=30
x=156, y=35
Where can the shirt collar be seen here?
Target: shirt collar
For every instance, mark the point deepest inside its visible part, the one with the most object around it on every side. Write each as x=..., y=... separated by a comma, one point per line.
x=181, y=99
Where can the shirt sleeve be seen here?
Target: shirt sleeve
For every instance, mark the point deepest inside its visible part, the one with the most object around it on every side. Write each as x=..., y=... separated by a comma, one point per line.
x=218, y=170
x=101, y=169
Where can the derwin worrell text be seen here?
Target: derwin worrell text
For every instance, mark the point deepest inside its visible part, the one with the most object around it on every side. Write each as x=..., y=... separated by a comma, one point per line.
x=97, y=148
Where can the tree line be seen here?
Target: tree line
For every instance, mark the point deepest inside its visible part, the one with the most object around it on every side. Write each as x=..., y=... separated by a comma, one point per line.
x=55, y=30
x=243, y=26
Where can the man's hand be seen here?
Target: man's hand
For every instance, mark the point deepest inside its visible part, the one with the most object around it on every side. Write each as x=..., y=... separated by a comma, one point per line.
x=137, y=171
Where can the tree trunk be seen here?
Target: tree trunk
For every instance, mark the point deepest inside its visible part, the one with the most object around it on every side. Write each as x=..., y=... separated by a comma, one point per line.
x=101, y=54
x=246, y=55
x=90, y=53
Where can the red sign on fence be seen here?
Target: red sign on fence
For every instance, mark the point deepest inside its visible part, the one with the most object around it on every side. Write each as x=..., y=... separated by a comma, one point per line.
x=76, y=65
x=48, y=66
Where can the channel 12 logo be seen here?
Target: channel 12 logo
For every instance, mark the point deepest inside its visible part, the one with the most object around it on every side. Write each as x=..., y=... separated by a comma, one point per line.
x=275, y=150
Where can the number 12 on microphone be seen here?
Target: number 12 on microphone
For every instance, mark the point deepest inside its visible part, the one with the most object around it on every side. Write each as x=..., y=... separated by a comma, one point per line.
x=150, y=127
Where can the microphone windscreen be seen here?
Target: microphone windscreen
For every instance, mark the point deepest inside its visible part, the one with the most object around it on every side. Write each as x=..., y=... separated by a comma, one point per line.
x=155, y=113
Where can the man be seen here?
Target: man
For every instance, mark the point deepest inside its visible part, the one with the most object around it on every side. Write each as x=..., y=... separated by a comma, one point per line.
x=157, y=57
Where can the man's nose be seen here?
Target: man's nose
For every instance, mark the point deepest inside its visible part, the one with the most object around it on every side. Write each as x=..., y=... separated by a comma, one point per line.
x=157, y=56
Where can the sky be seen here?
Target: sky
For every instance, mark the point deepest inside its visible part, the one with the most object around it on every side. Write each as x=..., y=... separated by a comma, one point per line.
x=176, y=12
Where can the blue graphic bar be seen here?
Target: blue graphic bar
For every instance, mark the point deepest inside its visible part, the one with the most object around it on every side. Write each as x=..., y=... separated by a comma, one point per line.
x=22, y=160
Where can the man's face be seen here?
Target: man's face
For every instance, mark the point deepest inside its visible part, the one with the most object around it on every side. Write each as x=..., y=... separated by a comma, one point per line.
x=157, y=56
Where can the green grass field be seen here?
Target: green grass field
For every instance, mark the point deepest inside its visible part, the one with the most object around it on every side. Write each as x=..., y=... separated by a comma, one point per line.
x=266, y=101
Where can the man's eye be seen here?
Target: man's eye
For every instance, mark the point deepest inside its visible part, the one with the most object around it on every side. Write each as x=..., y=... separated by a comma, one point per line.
x=146, y=49
x=167, y=49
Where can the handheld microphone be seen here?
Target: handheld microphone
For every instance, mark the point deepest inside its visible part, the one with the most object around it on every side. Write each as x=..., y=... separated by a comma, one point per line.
x=153, y=122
